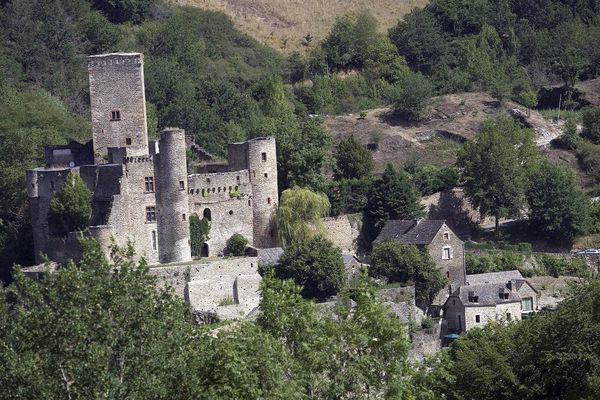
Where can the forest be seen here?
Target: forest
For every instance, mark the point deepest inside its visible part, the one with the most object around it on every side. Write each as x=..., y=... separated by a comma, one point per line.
x=220, y=85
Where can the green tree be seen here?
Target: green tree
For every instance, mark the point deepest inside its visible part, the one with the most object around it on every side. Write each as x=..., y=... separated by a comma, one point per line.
x=591, y=124
x=398, y=262
x=411, y=96
x=556, y=207
x=236, y=244
x=71, y=205
x=392, y=197
x=125, y=11
x=352, y=160
x=96, y=329
x=299, y=215
x=494, y=167
x=529, y=98
x=316, y=264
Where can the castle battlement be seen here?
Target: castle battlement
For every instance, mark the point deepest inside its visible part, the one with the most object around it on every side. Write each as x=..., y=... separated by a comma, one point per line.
x=142, y=193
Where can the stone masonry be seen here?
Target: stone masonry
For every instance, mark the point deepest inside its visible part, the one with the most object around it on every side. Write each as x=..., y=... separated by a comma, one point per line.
x=142, y=193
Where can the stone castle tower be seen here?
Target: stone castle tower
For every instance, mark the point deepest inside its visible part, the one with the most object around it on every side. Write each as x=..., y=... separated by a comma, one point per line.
x=142, y=193
x=118, y=103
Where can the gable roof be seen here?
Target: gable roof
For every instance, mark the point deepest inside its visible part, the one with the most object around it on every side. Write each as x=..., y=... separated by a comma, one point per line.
x=494, y=277
x=487, y=294
x=411, y=231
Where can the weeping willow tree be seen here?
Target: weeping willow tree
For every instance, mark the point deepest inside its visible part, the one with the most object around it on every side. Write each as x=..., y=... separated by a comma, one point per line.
x=299, y=215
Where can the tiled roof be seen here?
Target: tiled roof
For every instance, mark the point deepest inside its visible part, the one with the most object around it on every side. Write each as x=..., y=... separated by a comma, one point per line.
x=486, y=294
x=350, y=259
x=494, y=277
x=411, y=231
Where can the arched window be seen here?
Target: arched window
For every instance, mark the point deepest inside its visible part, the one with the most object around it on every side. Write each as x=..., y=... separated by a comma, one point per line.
x=206, y=214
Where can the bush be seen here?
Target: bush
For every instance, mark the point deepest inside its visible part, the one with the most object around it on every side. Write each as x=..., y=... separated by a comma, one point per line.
x=558, y=265
x=591, y=124
x=410, y=96
x=493, y=262
x=236, y=245
x=427, y=323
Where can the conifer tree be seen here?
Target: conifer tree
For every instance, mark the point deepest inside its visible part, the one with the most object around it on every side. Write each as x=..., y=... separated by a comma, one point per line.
x=392, y=197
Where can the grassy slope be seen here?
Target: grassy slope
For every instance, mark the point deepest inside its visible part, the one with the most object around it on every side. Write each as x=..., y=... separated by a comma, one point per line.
x=275, y=22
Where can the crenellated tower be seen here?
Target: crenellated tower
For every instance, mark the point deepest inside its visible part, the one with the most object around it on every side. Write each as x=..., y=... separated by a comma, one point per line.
x=118, y=103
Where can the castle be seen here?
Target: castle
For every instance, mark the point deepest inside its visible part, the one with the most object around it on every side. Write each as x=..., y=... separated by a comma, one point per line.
x=142, y=193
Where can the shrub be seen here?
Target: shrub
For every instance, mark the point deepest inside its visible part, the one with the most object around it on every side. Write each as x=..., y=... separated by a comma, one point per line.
x=427, y=323
x=236, y=244
x=591, y=124
x=558, y=265
x=410, y=96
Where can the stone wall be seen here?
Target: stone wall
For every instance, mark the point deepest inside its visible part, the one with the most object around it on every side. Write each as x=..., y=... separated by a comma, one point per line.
x=454, y=267
x=117, y=84
x=227, y=287
x=343, y=231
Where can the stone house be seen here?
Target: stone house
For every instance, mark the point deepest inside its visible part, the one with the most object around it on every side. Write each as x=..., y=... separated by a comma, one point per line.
x=498, y=296
x=445, y=247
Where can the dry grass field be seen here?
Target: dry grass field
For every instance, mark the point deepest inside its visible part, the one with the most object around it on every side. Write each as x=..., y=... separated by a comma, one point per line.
x=282, y=24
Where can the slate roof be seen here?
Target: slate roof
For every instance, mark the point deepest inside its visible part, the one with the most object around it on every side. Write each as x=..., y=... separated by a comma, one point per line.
x=411, y=231
x=269, y=256
x=494, y=277
x=487, y=294
x=350, y=259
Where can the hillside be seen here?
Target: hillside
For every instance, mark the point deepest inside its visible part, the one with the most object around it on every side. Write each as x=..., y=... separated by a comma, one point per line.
x=282, y=24
x=452, y=120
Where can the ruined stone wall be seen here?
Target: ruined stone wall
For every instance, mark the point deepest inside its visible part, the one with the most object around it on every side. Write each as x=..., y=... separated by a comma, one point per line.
x=207, y=285
x=117, y=85
x=454, y=267
x=227, y=218
x=173, y=203
x=41, y=186
x=343, y=231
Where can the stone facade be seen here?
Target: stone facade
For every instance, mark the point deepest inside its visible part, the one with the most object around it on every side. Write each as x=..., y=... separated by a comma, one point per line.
x=503, y=297
x=343, y=231
x=142, y=193
x=445, y=247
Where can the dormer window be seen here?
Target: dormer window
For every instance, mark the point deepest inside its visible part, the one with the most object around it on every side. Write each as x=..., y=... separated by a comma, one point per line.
x=115, y=115
x=473, y=298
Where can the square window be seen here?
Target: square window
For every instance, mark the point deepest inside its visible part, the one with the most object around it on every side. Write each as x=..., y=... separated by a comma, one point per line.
x=128, y=141
x=150, y=214
x=446, y=235
x=149, y=184
x=477, y=319
x=181, y=185
x=115, y=115
x=264, y=156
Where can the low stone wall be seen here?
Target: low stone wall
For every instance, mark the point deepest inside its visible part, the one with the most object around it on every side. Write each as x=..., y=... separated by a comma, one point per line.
x=227, y=287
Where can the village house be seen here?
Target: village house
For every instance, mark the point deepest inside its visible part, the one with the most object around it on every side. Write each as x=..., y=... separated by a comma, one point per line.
x=497, y=296
x=445, y=247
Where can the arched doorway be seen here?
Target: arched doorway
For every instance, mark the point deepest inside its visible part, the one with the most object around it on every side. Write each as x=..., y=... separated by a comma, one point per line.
x=204, y=250
x=206, y=214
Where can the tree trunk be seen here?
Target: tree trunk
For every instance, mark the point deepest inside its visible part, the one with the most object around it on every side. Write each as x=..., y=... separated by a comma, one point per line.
x=496, y=231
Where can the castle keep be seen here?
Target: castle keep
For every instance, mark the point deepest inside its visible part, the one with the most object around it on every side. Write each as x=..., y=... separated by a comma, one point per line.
x=142, y=192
